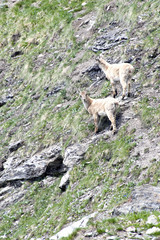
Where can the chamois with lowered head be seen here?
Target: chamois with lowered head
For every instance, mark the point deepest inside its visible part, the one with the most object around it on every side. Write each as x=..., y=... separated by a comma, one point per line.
x=100, y=107
x=117, y=72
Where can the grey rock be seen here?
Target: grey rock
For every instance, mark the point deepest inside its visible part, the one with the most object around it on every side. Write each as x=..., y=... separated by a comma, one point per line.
x=154, y=53
x=110, y=38
x=143, y=198
x=15, y=37
x=94, y=72
x=139, y=236
x=155, y=238
x=55, y=90
x=1, y=165
x=121, y=37
x=36, y=97
x=2, y=5
x=153, y=230
x=16, y=54
x=91, y=234
x=13, y=147
x=131, y=229
x=48, y=162
x=10, y=195
x=5, y=190
x=2, y=102
x=67, y=231
x=64, y=182
x=74, y=154
x=10, y=96
x=106, y=47
x=152, y=220
x=112, y=238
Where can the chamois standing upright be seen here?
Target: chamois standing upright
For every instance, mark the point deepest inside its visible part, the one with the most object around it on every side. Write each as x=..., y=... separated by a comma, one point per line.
x=100, y=107
x=117, y=72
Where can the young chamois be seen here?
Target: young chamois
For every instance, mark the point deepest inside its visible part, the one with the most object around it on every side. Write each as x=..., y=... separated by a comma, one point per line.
x=100, y=107
x=117, y=72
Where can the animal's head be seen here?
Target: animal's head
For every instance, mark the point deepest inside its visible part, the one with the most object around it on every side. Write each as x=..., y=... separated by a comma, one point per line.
x=83, y=95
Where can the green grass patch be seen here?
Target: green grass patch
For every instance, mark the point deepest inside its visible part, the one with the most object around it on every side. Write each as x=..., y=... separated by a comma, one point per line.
x=111, y=226
x=149, y=114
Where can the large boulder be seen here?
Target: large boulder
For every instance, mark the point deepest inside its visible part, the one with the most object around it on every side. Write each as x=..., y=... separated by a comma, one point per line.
x=74, y=154
x=47, y=162
x=143, y=198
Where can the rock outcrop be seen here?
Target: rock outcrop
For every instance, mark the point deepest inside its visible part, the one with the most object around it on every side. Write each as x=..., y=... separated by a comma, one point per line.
x=143, y=198
x=67, y=231
x=48, y=162
x=13, y=147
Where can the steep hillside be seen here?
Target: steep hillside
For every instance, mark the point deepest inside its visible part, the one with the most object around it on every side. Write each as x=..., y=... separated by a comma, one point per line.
x=54, y=171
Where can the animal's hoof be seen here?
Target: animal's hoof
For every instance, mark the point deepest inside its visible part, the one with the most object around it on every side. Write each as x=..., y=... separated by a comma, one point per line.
x=114, y=131
x=96, y=132
x=111, y=128
x=114, y=94
x=130, y=95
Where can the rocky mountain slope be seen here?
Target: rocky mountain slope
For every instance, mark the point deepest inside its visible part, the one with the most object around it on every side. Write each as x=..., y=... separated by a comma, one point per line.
x=57, y=178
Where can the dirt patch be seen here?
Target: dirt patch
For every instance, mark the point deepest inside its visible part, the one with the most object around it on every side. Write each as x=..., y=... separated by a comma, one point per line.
x=84, y=27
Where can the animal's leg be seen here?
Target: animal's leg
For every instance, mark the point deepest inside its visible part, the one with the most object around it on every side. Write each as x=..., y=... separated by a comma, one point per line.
x=114, y=89
x=96, y=119
x=129, y=89
x=112, y=118
x=124, y=86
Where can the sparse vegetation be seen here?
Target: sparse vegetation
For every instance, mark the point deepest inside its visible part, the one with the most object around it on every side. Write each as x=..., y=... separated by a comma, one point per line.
x=150, y=114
